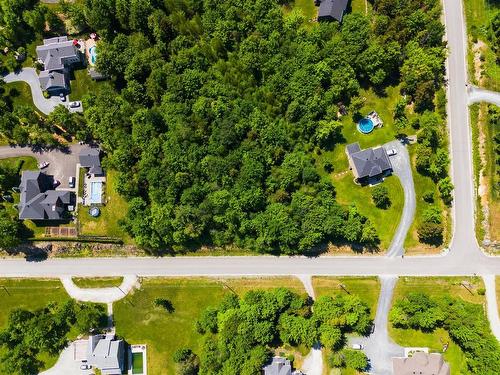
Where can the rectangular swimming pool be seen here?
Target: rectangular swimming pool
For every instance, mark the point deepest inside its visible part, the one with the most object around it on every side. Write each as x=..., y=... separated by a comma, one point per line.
x=96, y=192
x=137, y=363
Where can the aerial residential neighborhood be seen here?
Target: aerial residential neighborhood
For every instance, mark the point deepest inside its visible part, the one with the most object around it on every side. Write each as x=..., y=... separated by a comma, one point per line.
x=282, y=187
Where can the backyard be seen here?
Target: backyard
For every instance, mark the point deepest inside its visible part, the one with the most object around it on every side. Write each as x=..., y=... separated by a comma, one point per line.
x=435, y=340
x=107, y=224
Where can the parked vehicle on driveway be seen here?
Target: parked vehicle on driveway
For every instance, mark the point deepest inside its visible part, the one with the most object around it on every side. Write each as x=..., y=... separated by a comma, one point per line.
x=357, y=346
x=84, y=366
x=74, y=104
x=62, y=97
x=43, y=164
x=392, y=152
x=71, y=182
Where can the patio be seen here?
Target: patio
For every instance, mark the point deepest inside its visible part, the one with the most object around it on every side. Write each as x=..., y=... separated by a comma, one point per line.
x=93, y=190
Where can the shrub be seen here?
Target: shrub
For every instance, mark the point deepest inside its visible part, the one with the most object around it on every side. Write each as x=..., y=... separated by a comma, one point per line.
x=355, y=359
x=481, y=291
x=432, y=215
x=428, y=196
x=164, y=303
x=328, y=166
x=380, y=196
x=430, y=233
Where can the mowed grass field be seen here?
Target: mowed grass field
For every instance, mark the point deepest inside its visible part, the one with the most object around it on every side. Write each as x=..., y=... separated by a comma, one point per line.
x=436, y=287
x=30, y=294
x=139, y=322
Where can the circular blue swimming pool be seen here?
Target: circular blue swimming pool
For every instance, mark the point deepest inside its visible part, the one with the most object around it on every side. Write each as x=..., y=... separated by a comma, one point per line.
x=365, y=126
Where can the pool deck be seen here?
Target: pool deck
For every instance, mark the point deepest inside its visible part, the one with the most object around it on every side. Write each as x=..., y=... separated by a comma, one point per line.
x=87, y=181
x=89, y=43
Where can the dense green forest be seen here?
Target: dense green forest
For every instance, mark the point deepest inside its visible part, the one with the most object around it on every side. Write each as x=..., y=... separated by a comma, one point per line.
x=218, y=108
x=240, y=334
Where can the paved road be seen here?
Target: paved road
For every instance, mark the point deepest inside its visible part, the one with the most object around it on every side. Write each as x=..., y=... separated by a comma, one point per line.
x=99, y=295
x=492, y=304
x=401, y=165
x=378, y=347
x=30, y=76
x=477, y=95
x=62, y=163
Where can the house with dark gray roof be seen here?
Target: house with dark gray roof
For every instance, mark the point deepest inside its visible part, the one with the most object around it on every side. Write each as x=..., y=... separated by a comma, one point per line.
x=371, y=163
x=422, y=364
x=58, y=55
x=280, y=366
x=106, y=354
x=330, y=10
x=90, y=159
x=39, y=201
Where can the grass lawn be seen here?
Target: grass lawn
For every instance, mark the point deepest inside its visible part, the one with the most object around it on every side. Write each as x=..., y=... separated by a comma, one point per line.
x=360, y=6
x=384, y=220
x=139, y=322
x=436, y=287
x=106, y=224
x=20, y=94
x=497, y=289
x=30, y=294
x=97, y=282
x=478, y=14
x=82, y=84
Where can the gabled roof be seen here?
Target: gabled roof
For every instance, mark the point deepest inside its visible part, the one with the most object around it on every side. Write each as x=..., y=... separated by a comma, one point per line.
x=53, y=79
x=332, y=9
x=54, y=51
x=90, y=158
x=106, y=353
x=370, y=162
x=279, y=366
x=38, y=201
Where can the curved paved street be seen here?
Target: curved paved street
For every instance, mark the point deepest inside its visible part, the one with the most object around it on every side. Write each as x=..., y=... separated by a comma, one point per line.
x=477, y=95
x=30, y=76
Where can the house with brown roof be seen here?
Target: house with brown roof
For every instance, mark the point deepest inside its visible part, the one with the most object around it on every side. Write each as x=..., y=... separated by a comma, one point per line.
x=422, y=364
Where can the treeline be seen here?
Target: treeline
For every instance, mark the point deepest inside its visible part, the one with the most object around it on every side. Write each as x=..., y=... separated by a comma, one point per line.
x=464, y=321
x=494, y=120
x=29, y=334
x=240, y=334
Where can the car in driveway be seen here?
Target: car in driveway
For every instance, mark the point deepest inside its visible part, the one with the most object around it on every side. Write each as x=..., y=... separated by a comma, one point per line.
x=43, y=164
x=62, y=97
x=84, y=366
x=74, y=104
x=357, y=346
x=71, y=182
x=392, y=152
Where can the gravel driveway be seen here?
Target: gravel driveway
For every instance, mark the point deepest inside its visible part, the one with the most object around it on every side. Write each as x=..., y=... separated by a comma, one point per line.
x=30, y=76
x=401, y=166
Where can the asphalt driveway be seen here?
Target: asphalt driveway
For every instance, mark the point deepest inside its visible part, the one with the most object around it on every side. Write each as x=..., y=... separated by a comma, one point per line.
x=378, y=347
x=30, y=76
x=62, y=163
x=401, y=166
x=477, y=95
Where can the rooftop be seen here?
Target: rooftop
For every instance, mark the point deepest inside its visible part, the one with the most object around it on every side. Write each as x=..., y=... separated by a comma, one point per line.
x=370, y=162
x=90, y=158
x=332, y=9
x=422, y=364
x=106, y=353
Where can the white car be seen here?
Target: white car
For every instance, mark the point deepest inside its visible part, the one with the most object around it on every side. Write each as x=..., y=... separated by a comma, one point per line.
x=62, y=97
x=74, y=104
x=392, y=152
x=43, y=164
x=357, y=346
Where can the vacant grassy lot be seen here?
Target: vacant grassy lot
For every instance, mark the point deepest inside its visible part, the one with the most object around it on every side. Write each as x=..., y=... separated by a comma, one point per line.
x=424, y=184
x=367, y=288
x=97, y=282
x=29, y=294
x=434, y=341
x=107, y=224
x=138, y=321
x=479, y=14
